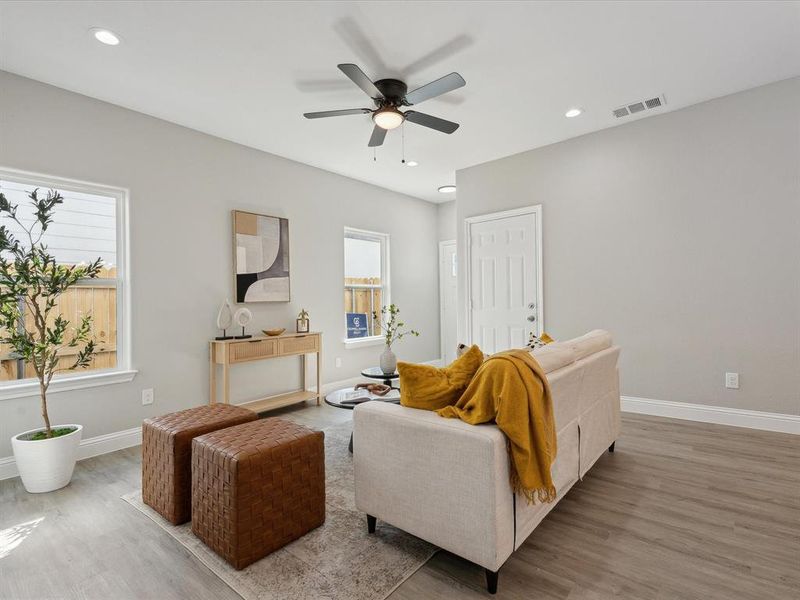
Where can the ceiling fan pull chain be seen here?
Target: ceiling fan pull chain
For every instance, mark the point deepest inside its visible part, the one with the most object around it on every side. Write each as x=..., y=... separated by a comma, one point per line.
x=403, y=142
x=374, y=154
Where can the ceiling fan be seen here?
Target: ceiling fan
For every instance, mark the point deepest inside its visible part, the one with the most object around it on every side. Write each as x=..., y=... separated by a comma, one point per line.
x=391, y=94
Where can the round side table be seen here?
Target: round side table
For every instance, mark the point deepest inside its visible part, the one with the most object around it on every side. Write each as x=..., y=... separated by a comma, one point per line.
x=386, y=378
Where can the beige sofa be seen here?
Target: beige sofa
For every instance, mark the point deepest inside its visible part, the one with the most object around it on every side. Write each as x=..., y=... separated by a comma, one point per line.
x=447, y=482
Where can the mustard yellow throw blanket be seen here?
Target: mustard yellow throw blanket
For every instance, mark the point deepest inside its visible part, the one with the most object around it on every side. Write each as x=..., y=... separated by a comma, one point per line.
x=511, y=389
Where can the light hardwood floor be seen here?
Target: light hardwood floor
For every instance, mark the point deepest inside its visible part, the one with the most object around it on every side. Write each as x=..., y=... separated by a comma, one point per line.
x=681, y=511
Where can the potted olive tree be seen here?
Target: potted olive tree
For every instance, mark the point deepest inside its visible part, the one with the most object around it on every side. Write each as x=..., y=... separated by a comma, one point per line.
x=31, y=282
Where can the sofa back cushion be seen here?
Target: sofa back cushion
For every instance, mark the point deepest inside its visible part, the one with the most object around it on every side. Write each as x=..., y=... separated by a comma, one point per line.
x=431, y=388
x=554, y=356
x=590, y=343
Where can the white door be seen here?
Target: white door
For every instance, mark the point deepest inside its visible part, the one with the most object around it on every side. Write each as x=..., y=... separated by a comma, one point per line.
x=504, y=278
x=448, y=298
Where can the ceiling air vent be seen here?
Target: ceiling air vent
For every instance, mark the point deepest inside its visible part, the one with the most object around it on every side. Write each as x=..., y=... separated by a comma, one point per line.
x=653, y=102
x=639, y=106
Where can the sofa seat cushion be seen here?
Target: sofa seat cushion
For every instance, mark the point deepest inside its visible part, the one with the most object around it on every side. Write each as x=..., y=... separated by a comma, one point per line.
x=431, y=388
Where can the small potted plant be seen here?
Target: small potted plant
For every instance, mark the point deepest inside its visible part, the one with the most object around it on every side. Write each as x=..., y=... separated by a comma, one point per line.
x=31, y=282
x=392, y=327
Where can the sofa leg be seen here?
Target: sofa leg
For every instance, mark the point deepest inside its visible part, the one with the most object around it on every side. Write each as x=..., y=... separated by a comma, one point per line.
x=491, y=581
x=611, y=447
x=371, y=522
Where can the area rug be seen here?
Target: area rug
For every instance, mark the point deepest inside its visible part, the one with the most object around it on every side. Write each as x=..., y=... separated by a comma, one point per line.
x=338, y=561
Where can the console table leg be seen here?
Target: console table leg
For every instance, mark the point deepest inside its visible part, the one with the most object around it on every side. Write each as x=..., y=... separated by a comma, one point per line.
x=319, y=383
x=226, y=388
x=212, y=383
x=212, y=375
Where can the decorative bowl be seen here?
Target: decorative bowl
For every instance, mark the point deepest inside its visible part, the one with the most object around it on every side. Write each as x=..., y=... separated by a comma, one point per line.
x=274, y=332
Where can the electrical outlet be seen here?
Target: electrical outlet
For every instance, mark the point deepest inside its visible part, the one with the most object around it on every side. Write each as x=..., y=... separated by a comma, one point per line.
x=148, y=396
x=732, y=381
x=338, y=362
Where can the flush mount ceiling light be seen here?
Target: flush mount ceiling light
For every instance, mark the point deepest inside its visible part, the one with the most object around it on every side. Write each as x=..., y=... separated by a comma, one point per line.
x=573, y=112
x=447, y=189
x=412, y=163
x=105, y=36
x=388, y=117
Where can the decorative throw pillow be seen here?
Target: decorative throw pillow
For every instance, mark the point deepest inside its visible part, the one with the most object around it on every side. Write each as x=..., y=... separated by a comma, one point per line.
x=431, y=388
x=537, y=342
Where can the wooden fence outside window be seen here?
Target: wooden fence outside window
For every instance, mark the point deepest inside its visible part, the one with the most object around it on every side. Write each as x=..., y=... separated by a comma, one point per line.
x=96, y=297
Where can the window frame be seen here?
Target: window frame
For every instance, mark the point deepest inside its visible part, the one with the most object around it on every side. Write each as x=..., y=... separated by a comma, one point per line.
x=385, y=287
x=122, y=372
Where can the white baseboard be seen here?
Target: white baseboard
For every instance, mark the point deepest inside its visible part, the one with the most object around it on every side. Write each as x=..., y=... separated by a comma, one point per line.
x=8, y=468
x=719, y=415
x=95, y=446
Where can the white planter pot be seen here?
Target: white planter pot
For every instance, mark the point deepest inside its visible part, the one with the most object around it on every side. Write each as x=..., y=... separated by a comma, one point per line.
x=46, y=465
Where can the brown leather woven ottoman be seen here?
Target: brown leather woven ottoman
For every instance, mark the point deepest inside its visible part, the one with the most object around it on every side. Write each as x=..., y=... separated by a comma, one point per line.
x=167, y=455
x=256, y=487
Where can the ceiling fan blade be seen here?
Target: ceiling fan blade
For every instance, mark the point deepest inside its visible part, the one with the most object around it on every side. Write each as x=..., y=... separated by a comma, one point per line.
x=358, y=77
x=336, y=113
x=445, y=84
x=429, y=121
x=377, y=137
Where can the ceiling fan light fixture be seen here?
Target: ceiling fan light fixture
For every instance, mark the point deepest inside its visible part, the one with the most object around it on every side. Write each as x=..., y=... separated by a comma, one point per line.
x=447, y=189
x=573, y=112
x=388, y=118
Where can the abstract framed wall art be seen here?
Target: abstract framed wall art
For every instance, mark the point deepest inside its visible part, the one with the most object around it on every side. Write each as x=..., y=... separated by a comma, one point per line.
x=261, y=257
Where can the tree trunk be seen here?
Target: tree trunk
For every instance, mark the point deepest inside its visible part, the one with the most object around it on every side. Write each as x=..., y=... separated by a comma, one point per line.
x=43, y=392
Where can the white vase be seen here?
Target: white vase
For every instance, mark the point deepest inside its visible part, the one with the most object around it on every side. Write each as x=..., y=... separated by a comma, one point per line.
x=46, y=465
x=388, y=360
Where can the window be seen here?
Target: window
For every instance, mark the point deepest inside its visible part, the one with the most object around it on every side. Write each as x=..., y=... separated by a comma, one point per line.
x=366, y=282
x=89, y=224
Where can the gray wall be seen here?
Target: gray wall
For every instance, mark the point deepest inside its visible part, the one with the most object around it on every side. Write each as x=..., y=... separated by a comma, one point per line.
x=183, y=185
x=447, y=221
x=680, y=234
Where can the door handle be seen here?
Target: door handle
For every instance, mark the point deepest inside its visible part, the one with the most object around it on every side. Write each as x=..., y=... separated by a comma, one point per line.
x=531, y=318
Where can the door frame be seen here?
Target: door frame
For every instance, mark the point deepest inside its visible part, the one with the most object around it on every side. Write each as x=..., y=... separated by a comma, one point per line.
x=468, y=222
x=442, y=244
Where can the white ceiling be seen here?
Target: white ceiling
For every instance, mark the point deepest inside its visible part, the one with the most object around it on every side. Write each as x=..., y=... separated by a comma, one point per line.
x=246, y=71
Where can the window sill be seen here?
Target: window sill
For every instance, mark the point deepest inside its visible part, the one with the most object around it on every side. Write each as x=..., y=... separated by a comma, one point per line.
x=363, y=342
x=66, y=384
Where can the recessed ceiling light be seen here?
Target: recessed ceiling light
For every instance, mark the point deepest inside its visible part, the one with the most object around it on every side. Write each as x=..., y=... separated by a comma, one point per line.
x=572, y=113
x=411, y=163
x=104, y=36
x=447, y=189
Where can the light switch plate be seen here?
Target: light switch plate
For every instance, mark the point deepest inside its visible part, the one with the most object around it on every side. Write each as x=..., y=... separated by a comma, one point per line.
x=732, y=381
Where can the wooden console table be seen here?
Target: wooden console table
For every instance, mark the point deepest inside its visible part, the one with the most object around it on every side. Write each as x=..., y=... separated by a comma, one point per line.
x=230, y=352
